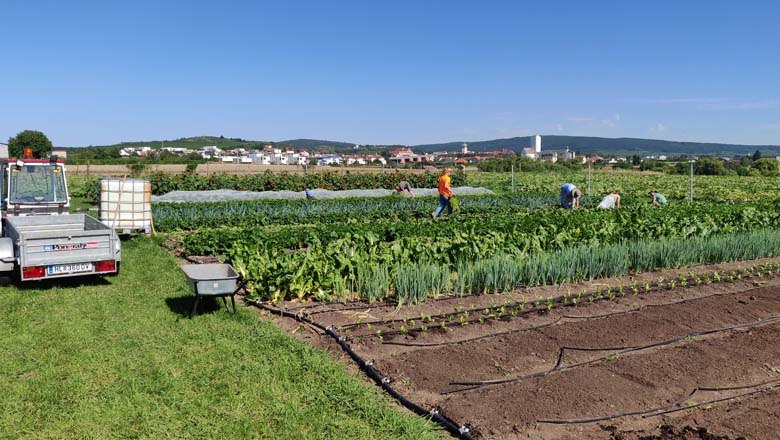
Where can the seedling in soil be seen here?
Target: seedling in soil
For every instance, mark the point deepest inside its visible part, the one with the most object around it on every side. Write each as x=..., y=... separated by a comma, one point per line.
x=671, y=284
x=379, y=334
x=481, y=320
x=684, y=283
x=621, y=290
x=549, y=303
x=575, y=301
x=443, y=325
x=424, y=328
x=612, y=357
x=610, y=295
x=647, y=287
x=716, y=276
x=462, y=320
x=522, y=306
x=403, y=330
x=538, y=302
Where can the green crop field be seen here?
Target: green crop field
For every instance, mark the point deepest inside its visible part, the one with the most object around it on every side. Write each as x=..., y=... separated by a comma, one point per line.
x=345, y=249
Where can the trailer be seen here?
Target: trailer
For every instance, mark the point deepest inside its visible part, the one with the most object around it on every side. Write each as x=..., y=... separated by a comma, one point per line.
x=40, y=238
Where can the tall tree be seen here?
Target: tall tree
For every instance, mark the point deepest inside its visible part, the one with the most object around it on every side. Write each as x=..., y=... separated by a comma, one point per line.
x=756, y=155
x=34, y=140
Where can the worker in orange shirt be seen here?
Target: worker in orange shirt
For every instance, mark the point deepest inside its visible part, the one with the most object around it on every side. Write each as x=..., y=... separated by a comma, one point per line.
x=445, y=194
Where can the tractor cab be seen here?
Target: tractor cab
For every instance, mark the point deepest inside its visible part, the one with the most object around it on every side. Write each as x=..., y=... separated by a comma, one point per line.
x=33, y=186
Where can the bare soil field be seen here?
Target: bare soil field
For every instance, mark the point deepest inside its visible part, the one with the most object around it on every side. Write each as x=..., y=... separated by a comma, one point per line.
x=226, y=168
x=697, y=361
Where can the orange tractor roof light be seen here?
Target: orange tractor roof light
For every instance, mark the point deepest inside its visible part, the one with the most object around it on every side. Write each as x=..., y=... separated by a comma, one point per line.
x=27, y=153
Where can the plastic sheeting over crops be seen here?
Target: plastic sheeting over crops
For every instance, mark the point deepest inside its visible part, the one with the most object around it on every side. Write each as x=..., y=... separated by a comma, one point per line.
x=222, y=195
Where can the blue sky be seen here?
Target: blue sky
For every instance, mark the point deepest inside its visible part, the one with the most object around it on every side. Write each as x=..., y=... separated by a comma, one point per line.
x=409, y=72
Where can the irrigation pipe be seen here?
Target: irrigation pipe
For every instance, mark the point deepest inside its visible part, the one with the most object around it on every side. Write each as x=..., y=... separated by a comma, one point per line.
x=460, y=431
x=476, y=338
x=376, y=305
x=548, y=324
x=709, y=402
x=679, y=405
x=620, y=351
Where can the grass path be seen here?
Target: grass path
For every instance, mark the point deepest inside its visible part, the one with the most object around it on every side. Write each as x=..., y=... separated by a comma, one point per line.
x=121, y=360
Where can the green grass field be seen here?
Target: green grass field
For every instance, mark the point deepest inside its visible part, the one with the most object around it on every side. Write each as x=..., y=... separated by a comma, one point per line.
x=120, y=359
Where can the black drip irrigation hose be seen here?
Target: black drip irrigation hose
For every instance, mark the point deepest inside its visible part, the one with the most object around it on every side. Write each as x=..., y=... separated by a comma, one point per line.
x=548, y=324
x=679, y=405
x=378, y=305
x=620, y=351
x=382, y=304
x=476, y=338
x=460, y=431
x=310, y=312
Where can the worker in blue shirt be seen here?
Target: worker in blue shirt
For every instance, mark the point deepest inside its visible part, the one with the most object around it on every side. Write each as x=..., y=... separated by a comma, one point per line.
x=570, y=196
x=657, y=198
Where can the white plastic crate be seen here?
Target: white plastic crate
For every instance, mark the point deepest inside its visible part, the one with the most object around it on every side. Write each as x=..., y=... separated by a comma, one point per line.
x=126, y=204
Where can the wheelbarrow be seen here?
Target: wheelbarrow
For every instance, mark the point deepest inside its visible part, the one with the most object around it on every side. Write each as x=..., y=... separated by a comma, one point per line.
x=215, y=280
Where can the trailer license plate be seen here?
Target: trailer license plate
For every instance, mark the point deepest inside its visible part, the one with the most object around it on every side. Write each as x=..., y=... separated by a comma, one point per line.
x=58, y=269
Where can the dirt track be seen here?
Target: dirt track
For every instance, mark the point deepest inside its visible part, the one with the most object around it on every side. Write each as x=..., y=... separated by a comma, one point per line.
x=583, y=383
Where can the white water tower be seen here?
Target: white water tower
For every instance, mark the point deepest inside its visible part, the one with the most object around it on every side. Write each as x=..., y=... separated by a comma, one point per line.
x=464, y=149
x=536, y=143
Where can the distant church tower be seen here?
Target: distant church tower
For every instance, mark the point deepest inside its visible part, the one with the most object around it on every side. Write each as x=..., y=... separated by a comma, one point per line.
x=464, y=149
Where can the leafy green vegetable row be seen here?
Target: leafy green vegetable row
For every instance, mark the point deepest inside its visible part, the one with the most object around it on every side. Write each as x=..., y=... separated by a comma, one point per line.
x=190, y=216
x=468, y=237
x=674, y=187
x=300, y=274
x=269, y=181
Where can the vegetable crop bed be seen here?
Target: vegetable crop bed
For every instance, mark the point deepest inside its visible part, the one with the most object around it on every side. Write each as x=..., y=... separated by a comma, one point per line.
x=667, y=355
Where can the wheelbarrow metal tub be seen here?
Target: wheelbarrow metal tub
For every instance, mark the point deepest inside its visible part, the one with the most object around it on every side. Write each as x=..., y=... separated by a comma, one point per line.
x=211, y=280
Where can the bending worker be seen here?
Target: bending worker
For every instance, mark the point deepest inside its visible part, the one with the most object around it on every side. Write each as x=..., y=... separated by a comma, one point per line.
x=570, y=196
x=610, y=201
x=404, y=187
x=445, y=194
x=657, y=198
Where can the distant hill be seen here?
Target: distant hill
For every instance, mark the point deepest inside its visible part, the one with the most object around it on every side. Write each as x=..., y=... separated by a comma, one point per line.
x=581, y=144
x=617, y=146
x=193, y=143
x=316, y=144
